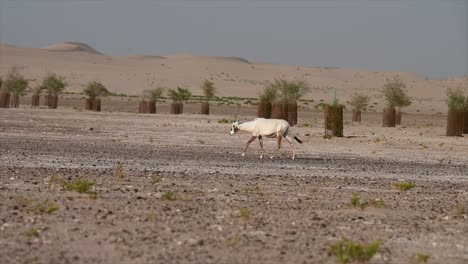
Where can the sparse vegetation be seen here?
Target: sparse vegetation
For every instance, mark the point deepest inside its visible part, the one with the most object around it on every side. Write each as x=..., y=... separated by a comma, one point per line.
x=151, y=216
x=95, y=89
x=404, y=186
x=223, y=121
x=155, y=179
x=209, y=90
x=34, y=206
x=16, y=84
x=245, y=213
x=233, y=241
x=79, y=185
x=359, y=102
x=168, y=196
x=356, y=201
x=379, y=203
x=459, y=211
x=348, y=251
x=395, y=94
x=420, y=258
x=456, y=100
x=32, y=232
x=54, y=84
x=180, y=95
x=155, y=94
x=119, y=171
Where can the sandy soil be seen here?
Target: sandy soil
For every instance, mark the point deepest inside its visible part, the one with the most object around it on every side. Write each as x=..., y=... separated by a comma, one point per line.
x=298, y=207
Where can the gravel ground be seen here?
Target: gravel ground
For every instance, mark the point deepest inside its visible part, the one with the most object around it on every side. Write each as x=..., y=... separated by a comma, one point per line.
x=187, y=195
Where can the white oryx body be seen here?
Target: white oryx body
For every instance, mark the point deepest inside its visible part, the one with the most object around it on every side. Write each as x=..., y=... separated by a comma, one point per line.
x=261, y=127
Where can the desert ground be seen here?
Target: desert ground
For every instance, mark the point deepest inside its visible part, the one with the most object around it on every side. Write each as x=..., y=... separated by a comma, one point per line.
x=175, y=189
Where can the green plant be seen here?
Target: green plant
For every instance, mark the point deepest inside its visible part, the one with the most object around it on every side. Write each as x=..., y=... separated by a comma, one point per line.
x=287, y=91
x=80, y=186
x=404, y=186
x=379, y=203
x=15, y=83
x=119, y=171
x=459, y=210
x=53, y=84
x=169, y=196
x=359, y=102
x=394, y=92
x=151, y=216
x=209, y=90
x=33, y=232
x=223, y=121
x=245, y=213
x=95, y=89
x=46, y=207
x=419, y=258
x=356, y=201
x=231, y=242
x=456, y=100
x=156, y=94
x=180, y=95
x=155, y=179
x=348, y=251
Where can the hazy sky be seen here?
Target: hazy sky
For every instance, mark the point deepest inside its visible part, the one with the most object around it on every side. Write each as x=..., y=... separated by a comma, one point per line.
x=429, y=37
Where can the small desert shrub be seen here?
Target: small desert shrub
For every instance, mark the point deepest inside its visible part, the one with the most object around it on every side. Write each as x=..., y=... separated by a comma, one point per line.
x=404, y=186
x=348, y=251
x=46, y=207
x=459, y=211
x=233, y=241
x=394, y=92
x=456, y=100
x=253, y=191
x=245, y=213
x=151, y=216
x=33, y=232
x=223, y=121
x=419, y=258
x=155, y=179
x=80, y=186
x=119, y=171
x=359, y=102
x=306, y=124
x=168, y=196
x=37, y=207
x=355, y=201
x=379, y=203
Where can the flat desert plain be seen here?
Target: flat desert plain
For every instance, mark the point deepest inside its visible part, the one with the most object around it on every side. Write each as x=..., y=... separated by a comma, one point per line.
x=175, y=189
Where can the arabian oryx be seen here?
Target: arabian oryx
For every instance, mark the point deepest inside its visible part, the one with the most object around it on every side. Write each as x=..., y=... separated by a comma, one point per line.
x=261, y=127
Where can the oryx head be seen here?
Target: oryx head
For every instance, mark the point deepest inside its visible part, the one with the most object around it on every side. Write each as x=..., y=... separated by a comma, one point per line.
x=234, y=127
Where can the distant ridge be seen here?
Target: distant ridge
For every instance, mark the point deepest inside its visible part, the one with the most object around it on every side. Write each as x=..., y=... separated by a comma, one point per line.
x=72, y=46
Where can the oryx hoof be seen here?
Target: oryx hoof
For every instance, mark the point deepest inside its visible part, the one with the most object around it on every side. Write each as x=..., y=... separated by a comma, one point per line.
x=261, y=156
x=272, y=157
x=243, y=155
x=293, y=157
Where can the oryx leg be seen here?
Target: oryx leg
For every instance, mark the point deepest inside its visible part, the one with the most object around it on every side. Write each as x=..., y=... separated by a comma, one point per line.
x=260, y=140
x=288, y=138
x=278, y=147
x=247, y=145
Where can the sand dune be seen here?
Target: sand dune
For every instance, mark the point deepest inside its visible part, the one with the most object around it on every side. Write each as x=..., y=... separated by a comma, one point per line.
x=232, y=76
x=71, y=46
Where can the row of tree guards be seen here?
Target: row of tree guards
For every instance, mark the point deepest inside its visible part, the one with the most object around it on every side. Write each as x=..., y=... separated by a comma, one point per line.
x=278, y=100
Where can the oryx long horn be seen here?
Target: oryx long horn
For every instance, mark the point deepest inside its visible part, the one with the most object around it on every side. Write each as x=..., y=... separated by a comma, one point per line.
x=238, y=108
